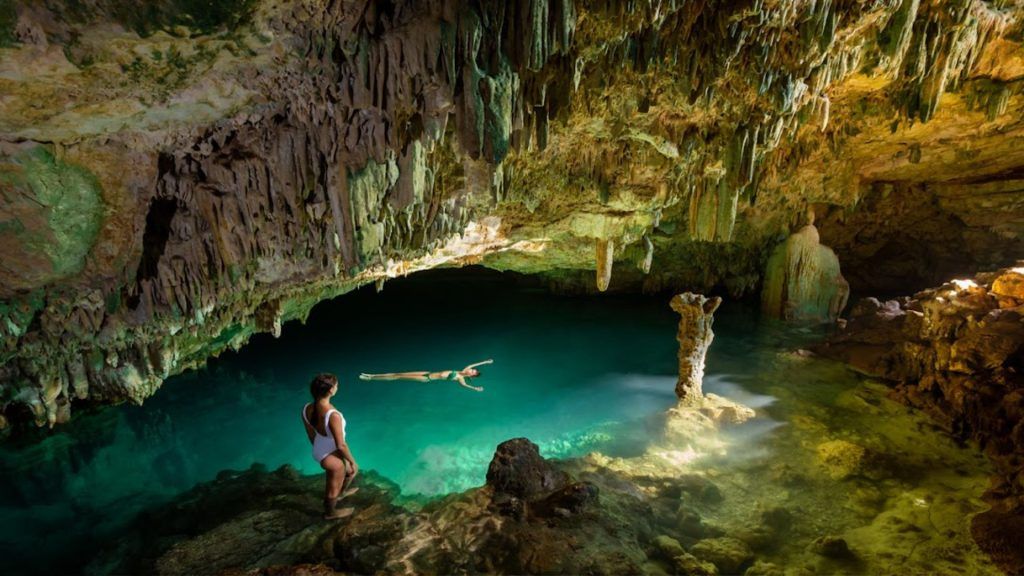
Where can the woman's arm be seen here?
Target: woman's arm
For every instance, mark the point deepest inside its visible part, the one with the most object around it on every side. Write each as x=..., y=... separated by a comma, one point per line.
x=309, y=429
x=339, y=439
x=462, y=382
x=489, y=361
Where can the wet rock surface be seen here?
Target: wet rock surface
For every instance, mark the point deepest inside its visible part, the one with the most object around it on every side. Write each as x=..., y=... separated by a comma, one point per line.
x=260, y=522
x=519, y=471
x=956, y=352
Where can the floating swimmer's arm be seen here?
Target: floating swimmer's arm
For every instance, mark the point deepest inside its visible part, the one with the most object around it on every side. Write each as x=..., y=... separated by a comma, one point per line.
x=489, y=361
x=462, y=382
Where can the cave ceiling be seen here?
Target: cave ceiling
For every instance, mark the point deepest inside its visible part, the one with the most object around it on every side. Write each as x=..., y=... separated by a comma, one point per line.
x=179, y=175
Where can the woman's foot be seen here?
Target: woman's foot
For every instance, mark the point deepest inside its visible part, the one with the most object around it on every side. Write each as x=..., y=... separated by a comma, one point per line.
x=350, y=492
x=339, y=513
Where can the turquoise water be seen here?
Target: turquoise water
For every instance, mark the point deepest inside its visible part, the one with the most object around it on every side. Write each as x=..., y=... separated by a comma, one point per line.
x=574, y=374
x=564, y=369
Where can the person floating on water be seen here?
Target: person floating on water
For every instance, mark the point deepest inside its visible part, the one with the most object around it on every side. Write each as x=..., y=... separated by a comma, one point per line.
x=325, y=427
x=459, y=376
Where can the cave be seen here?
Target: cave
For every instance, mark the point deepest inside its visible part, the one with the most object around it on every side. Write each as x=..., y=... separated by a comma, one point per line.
x=535, y=286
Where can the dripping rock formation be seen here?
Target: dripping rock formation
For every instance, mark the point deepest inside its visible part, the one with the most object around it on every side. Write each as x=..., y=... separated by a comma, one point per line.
x=177, y=178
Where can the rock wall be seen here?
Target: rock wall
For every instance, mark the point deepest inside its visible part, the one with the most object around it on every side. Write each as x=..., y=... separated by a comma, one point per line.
x=175, y=179
x=197, y=232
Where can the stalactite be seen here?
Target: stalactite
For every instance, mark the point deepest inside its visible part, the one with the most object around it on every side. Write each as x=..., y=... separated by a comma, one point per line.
x=605, y=253
x=645, y=263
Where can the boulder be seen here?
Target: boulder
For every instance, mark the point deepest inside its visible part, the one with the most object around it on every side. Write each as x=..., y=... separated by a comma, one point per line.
x=691, y=565
x=1010, y=285
x=841, y=459
x=573, y=498
x=518, y=470
x=667, y=547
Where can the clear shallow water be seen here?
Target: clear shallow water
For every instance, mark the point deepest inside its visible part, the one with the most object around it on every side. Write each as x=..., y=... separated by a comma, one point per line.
x=573, y=374
x=564, y=369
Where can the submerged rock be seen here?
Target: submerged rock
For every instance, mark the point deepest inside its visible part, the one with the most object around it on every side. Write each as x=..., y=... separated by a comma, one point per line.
x=831, y=547
x=668, y=547
x=842, y=459
x=727, y=554
x=957, y=352
x=689, y=564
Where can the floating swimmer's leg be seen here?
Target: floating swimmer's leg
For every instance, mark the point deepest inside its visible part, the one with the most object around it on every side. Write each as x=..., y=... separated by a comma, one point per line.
x=421, y=376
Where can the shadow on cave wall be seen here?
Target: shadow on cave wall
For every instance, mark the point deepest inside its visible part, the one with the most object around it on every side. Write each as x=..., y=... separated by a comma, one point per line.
x=904, y=238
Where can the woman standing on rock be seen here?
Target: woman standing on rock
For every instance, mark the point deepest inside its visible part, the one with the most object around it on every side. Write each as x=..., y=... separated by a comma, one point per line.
x=325, y=428
x=459, y=376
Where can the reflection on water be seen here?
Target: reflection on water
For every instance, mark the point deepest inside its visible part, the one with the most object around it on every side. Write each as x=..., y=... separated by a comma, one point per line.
x=574, y=375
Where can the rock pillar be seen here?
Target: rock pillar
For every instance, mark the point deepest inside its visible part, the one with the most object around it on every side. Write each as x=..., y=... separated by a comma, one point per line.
x=694, y=335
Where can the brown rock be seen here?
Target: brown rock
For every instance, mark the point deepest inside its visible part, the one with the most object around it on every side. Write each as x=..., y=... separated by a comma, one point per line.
x=518, y=470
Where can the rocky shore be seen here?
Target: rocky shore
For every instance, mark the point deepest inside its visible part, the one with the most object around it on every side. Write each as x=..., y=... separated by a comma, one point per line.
x=957, y=353
x=532, y=516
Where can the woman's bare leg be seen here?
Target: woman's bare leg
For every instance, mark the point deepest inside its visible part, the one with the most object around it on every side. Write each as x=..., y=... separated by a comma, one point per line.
x=335, y=468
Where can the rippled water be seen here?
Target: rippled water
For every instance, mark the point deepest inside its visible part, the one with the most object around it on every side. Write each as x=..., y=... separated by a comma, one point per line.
x=573, y=374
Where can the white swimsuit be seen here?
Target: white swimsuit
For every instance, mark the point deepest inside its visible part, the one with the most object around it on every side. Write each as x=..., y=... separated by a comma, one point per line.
x=323, y=445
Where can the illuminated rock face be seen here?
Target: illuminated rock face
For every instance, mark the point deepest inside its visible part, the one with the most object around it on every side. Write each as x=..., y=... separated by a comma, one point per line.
x=176, y=179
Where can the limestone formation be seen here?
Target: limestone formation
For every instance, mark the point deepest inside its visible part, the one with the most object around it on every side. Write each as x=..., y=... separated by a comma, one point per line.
x=165, y=173
x=802, y=280
x=694, y=335
x=605, y=254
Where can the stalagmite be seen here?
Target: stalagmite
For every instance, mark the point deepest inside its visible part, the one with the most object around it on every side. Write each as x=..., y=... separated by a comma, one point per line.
x=694, y=336
x=605, y=251
x=692, y=422
x=802, y=279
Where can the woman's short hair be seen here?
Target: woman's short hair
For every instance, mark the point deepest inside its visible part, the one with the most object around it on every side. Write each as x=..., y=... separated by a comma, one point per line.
x=321, y=385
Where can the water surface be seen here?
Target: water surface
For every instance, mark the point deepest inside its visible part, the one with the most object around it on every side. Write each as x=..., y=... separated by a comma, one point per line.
x=573, y=374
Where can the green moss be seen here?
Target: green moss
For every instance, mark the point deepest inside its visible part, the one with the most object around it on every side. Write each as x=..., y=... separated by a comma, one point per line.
x=71, y=201
x=8, y=19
